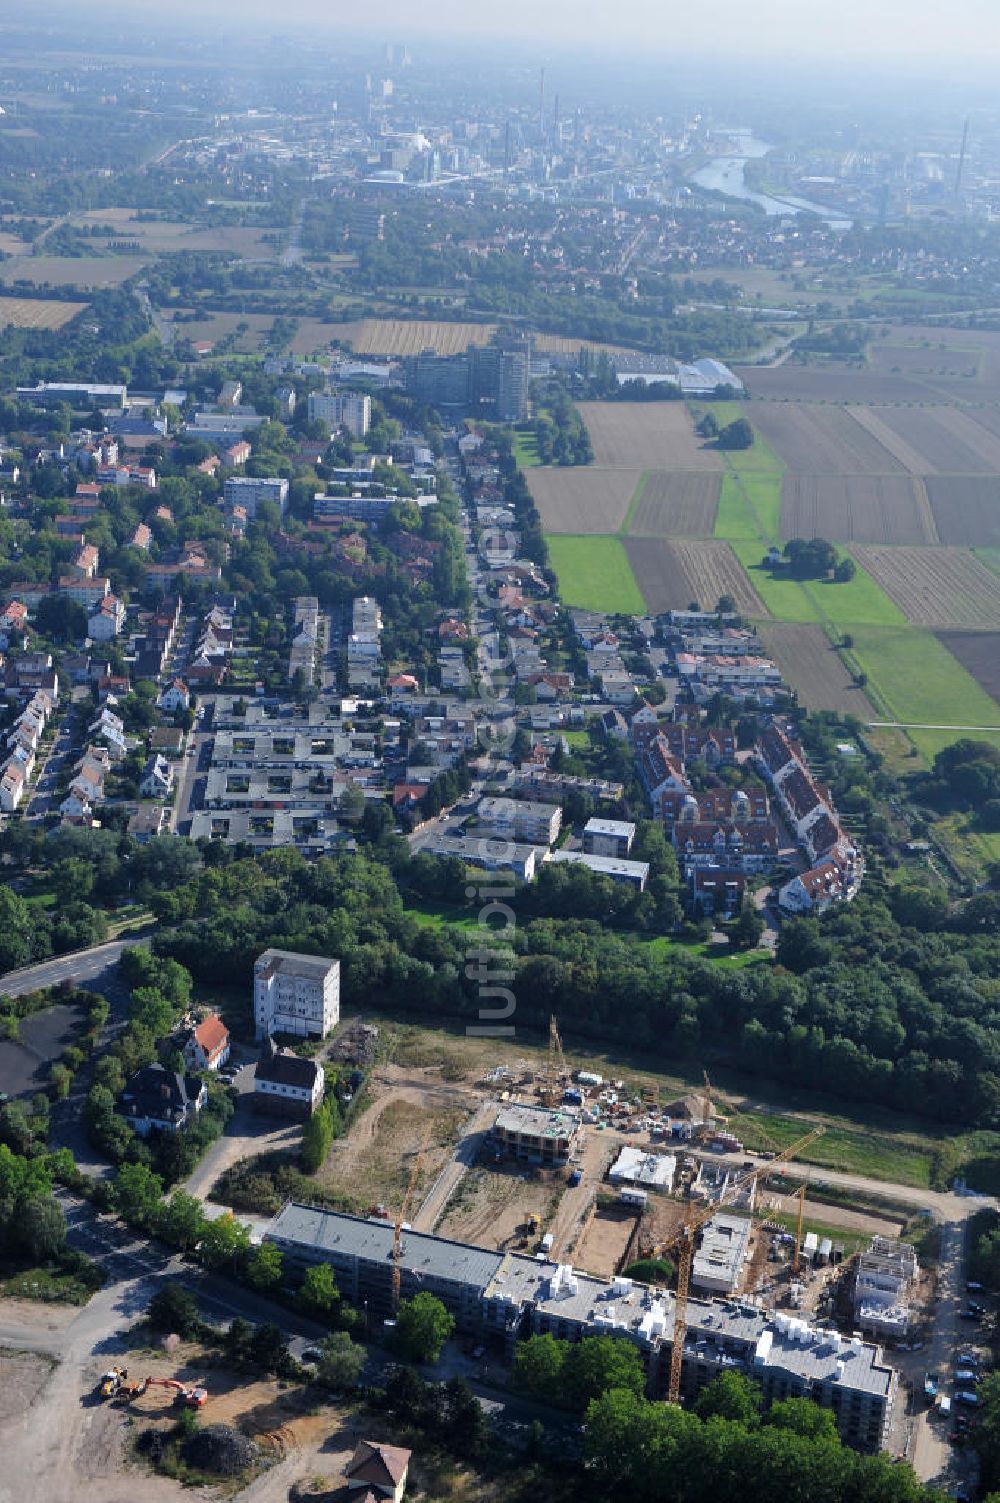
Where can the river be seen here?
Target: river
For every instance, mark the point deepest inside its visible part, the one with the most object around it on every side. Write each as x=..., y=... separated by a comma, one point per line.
x=727, y=174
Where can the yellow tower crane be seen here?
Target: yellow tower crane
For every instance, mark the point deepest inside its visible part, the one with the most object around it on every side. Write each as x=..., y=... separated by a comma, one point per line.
x=684, y=1245
x=556, y=1070
x=397, y=1235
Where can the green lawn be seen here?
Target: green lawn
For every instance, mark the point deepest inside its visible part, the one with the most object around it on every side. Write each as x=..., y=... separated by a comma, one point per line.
x=786, y=599
x=761, y=457
x=990, y=557
x=859, y=602
x=853, y=1151
x=525, y=450
x=749, y=508
x=594, y=574
x=922, y=683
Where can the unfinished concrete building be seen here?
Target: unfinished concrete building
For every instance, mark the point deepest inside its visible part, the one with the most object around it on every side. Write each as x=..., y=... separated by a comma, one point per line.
x=508, y=1296
x=886, y=1275
x=535, y=1133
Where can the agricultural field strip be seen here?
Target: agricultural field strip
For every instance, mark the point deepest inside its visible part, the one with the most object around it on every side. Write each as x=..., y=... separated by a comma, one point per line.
x=822, y=440
x=919, y=680
x=37, y=313
x=594, y=573
x=935, y=586
x=677, y=504
x=943, y=440
x=979, y=654
x=646, y=436
x=858, y=508
x=812, y=665
x=672, y=574
x=966, y=509
x=587, y=499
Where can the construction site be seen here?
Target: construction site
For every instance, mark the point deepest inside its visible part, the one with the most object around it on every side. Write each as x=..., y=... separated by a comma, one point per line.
x=535, y=1158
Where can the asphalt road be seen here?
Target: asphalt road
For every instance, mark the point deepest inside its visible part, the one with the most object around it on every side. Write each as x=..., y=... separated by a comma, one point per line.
x=77, y=967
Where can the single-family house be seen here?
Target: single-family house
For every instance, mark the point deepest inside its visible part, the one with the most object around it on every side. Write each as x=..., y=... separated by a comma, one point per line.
x=207, y=1047
x=157, y=779
x=176, y=696
x=158, y=1098
x=106, y=619
x=378, y=1470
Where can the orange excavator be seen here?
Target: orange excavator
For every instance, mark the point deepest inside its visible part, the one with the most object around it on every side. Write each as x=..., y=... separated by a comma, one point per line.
x=192, y=1397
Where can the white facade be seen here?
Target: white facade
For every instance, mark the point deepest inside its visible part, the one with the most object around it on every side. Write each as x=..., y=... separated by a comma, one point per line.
x=243, y=491
x=305, y=1098
x=349, y=409
x=295, y=994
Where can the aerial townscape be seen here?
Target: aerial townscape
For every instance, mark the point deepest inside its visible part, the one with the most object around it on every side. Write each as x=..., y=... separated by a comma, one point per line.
x=499, y=754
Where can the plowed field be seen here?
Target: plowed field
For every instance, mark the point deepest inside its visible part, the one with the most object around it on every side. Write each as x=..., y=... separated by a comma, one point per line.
x=857, y=508
x=646, y=436
x=821, y=440
x=676, y=505
x=936, y=586
x=584, y=499
x=675, y=574
x=966, y=508
x=814, y=669
x=979, y=654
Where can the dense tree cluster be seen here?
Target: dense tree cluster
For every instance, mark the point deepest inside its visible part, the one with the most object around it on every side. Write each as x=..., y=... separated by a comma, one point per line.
x=882, y=1001
x=723, y=1452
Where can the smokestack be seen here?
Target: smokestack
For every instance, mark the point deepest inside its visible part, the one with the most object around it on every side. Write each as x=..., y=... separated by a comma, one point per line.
x=961, y=159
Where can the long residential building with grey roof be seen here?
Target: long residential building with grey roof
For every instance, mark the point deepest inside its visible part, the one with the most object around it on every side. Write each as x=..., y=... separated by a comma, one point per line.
x=509, y=1296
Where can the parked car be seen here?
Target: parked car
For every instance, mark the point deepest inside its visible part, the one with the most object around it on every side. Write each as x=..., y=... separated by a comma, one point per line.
x=312, y=1354
x=968, y=1315
x=967, y=1375
x=967, y=1397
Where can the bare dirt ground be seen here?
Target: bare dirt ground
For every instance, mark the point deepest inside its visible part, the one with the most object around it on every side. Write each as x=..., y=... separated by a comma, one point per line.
x=601, y=1248
x=936, y=586
x=646, y=436
x=814, y=668
x=582, y=500
x=23, y=1375
x=492, y=1205
x=374, y=1160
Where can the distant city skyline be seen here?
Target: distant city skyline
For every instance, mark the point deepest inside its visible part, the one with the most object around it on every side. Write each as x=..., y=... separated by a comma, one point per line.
x=882, y=31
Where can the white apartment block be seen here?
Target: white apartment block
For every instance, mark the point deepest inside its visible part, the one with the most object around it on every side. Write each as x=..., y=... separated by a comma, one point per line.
x=295, y=994
x=242, y=490
x=348, y=409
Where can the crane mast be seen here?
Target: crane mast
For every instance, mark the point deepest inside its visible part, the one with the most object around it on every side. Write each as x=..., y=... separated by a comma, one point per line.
x=685, y=1244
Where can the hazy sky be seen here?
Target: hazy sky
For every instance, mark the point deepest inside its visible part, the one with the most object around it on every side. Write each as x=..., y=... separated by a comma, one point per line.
x=878, y=29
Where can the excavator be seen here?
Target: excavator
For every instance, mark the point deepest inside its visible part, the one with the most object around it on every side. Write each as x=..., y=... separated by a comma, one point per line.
x=109, y=1383
x=193, y=1397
